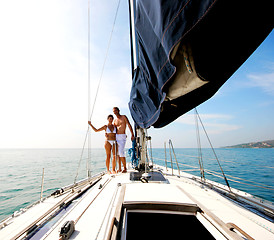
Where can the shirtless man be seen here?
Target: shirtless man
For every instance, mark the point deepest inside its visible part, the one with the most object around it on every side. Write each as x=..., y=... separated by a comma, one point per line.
x=121, y=122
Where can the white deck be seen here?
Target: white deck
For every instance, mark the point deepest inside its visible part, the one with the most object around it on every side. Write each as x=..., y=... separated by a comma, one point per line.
x=94, y=211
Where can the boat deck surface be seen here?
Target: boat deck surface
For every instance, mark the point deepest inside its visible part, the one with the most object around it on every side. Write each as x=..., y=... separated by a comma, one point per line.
x=94, y=211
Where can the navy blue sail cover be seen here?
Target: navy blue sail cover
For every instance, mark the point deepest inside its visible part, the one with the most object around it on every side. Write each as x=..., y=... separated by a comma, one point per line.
x=222, y=35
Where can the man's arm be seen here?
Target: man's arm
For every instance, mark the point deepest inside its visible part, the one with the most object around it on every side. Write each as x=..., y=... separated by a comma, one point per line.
x=130, y=128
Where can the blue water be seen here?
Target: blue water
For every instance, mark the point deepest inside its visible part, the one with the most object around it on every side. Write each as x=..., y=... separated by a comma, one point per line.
x=21, y=171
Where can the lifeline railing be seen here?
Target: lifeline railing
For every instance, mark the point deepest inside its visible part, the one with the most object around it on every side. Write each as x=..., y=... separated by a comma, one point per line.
x=171, y=162
x=217, y=174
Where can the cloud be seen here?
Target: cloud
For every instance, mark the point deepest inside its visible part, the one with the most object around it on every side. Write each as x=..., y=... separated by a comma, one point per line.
x=43, y=78
x=213, y=123
x=190, y=118
x=265, y=81
x=266, y=103
x=220, y=128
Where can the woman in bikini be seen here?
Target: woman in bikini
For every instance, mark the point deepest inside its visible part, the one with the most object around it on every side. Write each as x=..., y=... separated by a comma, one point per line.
x=110, y=143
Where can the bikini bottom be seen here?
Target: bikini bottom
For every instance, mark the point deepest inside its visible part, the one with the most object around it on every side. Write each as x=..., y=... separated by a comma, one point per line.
x=111, y=142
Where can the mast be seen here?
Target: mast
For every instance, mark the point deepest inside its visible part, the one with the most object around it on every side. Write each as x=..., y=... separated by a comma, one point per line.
x=89, y=95
x=132, y=10
x=141, y=133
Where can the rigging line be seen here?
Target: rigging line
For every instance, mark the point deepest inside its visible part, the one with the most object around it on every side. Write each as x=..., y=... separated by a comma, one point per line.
x=199, y=146
x=81, y=156
x=213, y=151
x=104, y=63
x=90, y=115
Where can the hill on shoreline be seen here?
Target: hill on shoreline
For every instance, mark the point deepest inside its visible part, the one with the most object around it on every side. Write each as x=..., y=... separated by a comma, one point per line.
x=262, y=144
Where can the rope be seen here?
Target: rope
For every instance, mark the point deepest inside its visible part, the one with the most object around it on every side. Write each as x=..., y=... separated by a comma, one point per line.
x=99, y=83
x=132, y=153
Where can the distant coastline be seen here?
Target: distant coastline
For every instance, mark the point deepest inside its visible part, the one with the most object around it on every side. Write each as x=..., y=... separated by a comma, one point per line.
x=262, y=144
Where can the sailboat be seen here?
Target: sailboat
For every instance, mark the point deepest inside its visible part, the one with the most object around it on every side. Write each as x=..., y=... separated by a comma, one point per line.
x=180, y=58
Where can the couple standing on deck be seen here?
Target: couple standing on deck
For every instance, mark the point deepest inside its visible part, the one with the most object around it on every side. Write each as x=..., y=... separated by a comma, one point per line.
x=115, y=133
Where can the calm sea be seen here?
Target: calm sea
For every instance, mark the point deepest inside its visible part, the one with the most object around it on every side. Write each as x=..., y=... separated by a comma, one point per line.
x=250, y=170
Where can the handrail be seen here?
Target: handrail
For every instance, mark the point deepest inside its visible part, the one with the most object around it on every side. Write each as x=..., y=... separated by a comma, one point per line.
x=56, y=206
x=233, y=226
x=113, y=230
x=206, y=212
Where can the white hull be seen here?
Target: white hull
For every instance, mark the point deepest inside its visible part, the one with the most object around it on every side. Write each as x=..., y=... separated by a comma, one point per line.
x=105, y=210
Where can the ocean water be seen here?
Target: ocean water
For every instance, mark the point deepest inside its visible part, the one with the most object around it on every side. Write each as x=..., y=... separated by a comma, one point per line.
x=250, y=170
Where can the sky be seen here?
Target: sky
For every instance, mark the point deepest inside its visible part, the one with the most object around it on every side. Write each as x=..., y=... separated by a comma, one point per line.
x=44, y=97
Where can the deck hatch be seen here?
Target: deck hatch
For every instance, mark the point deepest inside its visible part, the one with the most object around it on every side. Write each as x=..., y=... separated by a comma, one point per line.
x=165, y=226
x=162, y=221
x=161, y=206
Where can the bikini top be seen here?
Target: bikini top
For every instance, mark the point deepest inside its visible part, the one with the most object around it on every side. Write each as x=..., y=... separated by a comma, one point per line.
x=108, y=130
